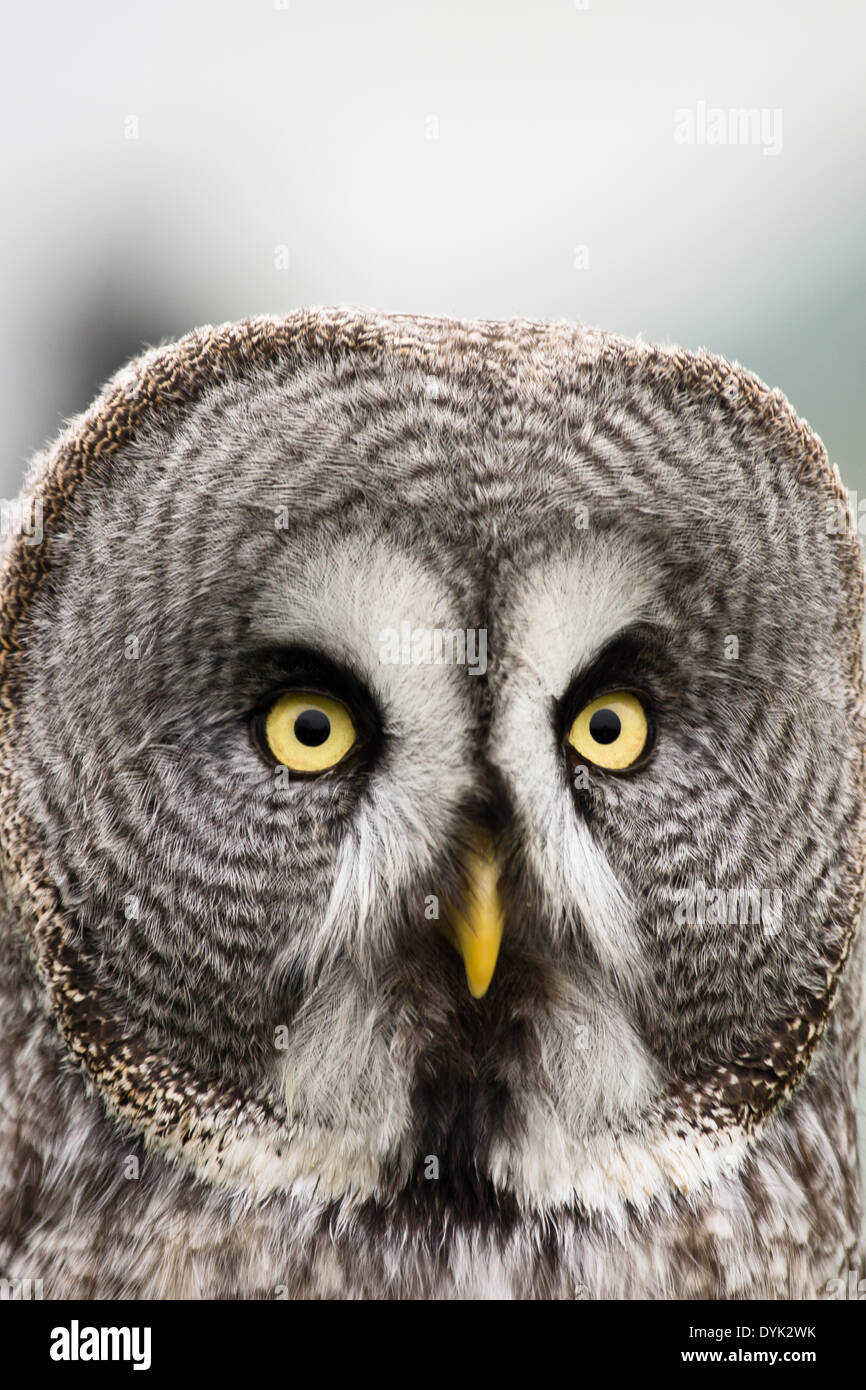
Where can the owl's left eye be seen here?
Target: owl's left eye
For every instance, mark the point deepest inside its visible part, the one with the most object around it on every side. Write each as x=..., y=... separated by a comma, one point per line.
x=612, y=731
x=307, y=732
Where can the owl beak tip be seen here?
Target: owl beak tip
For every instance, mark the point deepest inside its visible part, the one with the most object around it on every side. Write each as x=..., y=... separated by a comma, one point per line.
x=479, y=959
x=477, y=988
x=476, y=928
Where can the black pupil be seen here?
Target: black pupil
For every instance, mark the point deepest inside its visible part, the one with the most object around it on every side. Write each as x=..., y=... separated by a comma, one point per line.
x=605, y=726
x=312, y=727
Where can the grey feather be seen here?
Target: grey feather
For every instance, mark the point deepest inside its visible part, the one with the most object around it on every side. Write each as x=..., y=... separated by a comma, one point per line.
x=233, y=1039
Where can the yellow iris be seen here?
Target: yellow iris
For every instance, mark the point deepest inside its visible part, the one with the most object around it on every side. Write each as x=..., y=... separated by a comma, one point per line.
x=611, y=731
x=308, y=732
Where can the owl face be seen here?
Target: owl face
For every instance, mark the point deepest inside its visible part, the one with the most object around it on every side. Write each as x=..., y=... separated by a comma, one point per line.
x=437, y=741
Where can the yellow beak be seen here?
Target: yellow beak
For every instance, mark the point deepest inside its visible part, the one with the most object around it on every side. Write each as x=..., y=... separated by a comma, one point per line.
x=474, y=923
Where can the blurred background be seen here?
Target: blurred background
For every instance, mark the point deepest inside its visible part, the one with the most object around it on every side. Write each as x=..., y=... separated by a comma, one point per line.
x=171, y=164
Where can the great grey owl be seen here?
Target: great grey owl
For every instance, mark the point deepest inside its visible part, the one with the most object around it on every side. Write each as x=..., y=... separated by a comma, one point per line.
x=432, y=766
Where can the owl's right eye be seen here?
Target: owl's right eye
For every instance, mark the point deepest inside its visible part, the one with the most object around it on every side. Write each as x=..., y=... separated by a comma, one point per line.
x=306, y=732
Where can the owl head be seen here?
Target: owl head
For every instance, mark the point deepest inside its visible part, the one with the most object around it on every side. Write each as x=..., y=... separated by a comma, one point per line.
x=432, y=758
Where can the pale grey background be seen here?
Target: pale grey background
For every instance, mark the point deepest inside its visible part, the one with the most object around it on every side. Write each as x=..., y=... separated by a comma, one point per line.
x=432, y=157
